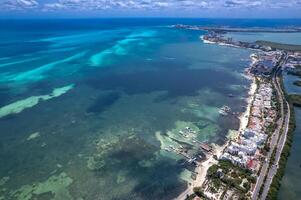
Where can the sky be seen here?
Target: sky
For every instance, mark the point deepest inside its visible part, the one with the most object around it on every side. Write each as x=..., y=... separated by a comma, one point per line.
x=151, y=8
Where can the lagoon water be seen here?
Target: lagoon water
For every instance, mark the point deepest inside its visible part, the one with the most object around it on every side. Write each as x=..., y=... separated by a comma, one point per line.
x=284, y=38
x=290, y=185
x=291, y=180
x=87, y=107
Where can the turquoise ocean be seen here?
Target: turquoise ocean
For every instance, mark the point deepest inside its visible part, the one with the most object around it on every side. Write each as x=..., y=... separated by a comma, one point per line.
x=88, y=107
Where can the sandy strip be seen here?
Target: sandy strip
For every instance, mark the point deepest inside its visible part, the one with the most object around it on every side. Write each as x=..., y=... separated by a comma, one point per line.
x=244, y=117
x=202, y=168
x=219, y=43
x=201, y=171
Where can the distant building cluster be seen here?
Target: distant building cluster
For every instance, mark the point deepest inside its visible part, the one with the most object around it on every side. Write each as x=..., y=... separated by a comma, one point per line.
x=214, y=37
x=264, y=63
x=244, y=151
x=253, y=146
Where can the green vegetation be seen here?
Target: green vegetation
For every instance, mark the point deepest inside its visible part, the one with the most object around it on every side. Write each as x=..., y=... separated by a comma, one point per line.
x=275, y=45
x=276, y=183
x=215, y=179
x=271, y=128
x=295, y=99
x=190, y=197
x=272, y=160
x=265, y=149
x=247, y=185
x=199, y=192
x=232, y=177
x=212, y=171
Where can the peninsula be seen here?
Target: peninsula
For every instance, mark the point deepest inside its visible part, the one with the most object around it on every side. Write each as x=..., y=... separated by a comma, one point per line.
x=251, y=164
x=224, y=29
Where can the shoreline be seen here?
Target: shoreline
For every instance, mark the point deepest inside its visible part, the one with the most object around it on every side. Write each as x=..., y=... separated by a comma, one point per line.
x=201, y=169
x=218, y=43
x=226, y=44
x=227, y=29
x=268, y=64
x=244, y=117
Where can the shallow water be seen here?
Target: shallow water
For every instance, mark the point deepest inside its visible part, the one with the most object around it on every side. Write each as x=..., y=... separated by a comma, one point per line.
x=133, y=90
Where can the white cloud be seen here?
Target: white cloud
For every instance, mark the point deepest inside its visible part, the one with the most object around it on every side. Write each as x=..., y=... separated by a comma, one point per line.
x=242, y=3
x=107, y=4
x=161, y=4
x=18, y=4
x=53, y=6
x=193, y=4
x=283, y=4
x=144, y=4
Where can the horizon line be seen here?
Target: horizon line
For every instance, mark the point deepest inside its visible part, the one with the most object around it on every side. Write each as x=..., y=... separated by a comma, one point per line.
x=148, y=17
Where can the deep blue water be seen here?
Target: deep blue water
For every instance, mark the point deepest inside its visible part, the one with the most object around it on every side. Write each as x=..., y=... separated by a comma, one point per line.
x=87, y=107
x=75, y=24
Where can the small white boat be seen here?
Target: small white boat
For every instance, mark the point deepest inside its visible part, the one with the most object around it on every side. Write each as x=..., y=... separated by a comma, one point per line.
x=221, y=112
x=224, y=110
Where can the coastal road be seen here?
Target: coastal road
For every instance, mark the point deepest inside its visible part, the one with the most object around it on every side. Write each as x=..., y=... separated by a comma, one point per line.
x=265, y=166
x=272, y=172
x=266, y=176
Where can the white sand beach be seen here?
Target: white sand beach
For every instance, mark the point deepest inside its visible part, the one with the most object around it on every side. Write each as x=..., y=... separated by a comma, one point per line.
x=244, y=117
x=201, y=169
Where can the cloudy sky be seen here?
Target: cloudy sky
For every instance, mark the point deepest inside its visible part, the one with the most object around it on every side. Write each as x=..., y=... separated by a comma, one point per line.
x=152, y=8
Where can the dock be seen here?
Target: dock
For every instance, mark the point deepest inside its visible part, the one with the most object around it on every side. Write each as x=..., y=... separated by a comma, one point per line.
x=206, y=147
